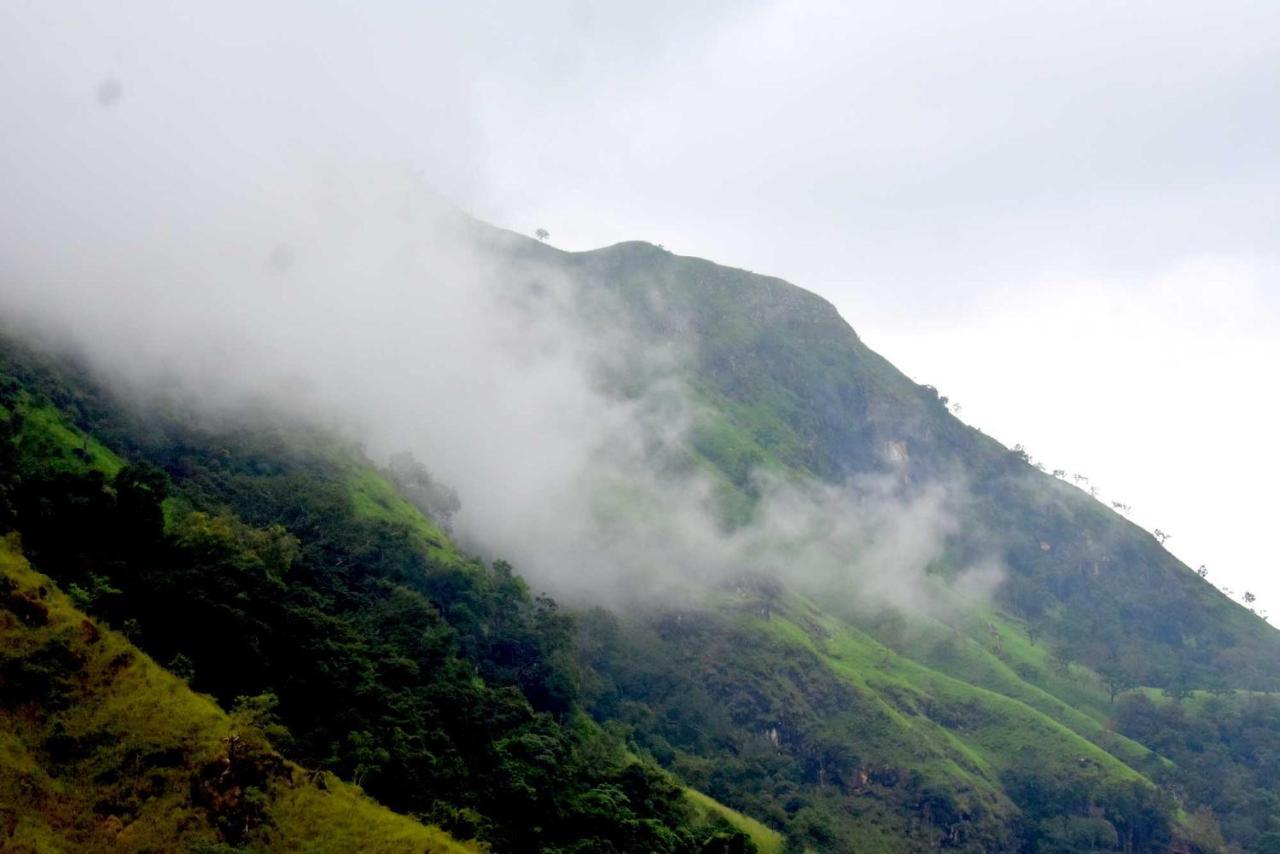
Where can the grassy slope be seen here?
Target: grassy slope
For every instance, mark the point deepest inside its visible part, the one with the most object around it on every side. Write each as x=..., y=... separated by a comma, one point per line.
x=350, y=821
x=375, y=497
x=48, y=434
x=936, y=722
x=113, y=706
x=768, y=840
x=993, y=726
x=990, y=664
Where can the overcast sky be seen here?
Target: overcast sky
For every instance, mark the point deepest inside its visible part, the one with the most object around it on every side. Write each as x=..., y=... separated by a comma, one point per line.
x=1064, y=215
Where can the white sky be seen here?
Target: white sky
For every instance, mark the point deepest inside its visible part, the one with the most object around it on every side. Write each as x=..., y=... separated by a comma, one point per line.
x=1064, y=215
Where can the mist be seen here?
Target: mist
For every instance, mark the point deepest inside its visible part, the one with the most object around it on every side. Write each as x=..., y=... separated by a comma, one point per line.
x=358, y=298
x=223, y=229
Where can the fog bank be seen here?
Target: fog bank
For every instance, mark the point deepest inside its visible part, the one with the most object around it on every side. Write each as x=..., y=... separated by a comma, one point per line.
x=355, y=296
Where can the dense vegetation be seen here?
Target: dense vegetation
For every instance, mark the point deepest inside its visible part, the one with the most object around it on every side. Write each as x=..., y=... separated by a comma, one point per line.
x=1108, y=699
x=1226, y=757
x=850, y=745
x=101, y=749
x=254, y=565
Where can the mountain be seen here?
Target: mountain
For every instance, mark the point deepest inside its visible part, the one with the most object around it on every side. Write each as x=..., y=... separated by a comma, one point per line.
x=793, y=384
x=1099, y=696
x=1092, y=615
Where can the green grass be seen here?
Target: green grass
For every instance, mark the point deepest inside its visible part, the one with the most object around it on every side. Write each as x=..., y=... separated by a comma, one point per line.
x=48, y=435
x=129, y=738
x=375, y=497
x=342, y=819
x=769, y=841
x=1024, y=707
x=995, y=654
x=931, y=720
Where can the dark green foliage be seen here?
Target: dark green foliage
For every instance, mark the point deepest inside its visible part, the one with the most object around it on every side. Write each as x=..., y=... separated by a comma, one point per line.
x=1071, y=815
x=439, y=684
x=43, y=678
x=1225, y=752
x=100, y=750
x=764, y=728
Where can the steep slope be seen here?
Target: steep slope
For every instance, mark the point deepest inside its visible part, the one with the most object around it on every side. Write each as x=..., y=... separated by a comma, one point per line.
x=788, y=373
x=1091, y=607
x=773, y=706
x=101, y=749
x=273, y=560
x=791, y=385
x=270, y=557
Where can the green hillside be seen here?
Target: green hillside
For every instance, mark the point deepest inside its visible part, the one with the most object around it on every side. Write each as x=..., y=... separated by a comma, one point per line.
x=792, y=383
x=101, y=749
x=1106, y=698
x=282, y=564
x=1091, y=607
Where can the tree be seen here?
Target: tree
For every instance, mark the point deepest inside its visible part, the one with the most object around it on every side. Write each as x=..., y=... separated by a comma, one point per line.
x=1202, y=571
x=1249, y=598
x=1160, y=535
x=1117, y=679
x=542, y=234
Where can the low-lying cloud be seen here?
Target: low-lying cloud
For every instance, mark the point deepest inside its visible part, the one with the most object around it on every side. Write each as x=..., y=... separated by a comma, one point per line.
x=354, y=295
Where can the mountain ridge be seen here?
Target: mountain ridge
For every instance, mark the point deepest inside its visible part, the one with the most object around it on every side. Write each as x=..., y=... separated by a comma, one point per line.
x=1058, y=715
x=883, y=411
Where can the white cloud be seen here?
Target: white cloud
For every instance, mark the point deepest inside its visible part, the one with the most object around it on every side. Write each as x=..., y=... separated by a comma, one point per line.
x=978, y=186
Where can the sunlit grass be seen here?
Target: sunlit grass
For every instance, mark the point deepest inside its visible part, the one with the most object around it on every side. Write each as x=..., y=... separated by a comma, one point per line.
x=48, y=434
x=125, y=708
x=768, y=840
